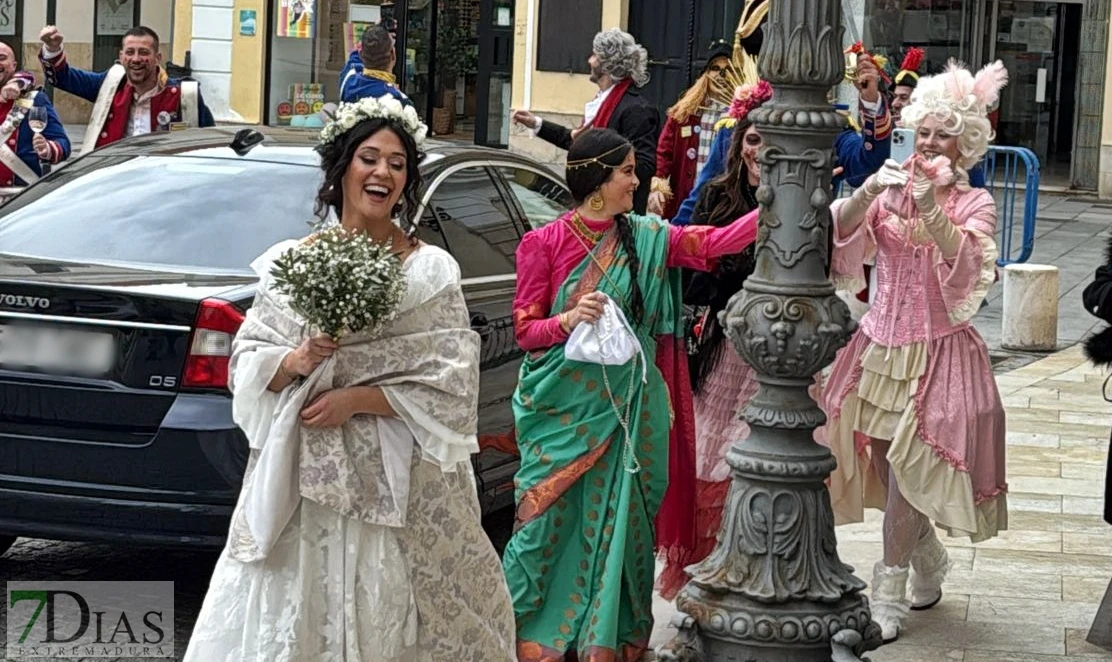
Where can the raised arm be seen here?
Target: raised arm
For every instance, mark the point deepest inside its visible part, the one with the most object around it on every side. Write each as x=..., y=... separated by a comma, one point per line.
x=966, y=258
x=352, y=69
x=697, y=247
x=58, y=72
x=862, y=153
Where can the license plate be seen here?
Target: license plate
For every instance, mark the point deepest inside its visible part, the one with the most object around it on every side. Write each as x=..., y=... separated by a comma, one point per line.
x=71, y=351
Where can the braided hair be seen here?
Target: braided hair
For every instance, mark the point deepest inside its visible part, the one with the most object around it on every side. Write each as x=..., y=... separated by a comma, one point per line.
x=336, y=157
x=600, y=152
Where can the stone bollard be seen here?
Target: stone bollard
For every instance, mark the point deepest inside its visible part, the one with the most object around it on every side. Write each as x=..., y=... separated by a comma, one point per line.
x=1030, y=316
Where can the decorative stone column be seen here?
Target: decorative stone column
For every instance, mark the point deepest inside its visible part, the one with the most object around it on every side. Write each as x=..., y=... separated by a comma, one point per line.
x=774, y=589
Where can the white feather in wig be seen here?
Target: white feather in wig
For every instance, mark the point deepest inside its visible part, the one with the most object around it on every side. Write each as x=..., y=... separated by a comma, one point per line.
x=960, y=101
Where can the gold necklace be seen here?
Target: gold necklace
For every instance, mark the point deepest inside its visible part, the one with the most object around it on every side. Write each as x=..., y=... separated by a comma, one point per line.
x=580, y=226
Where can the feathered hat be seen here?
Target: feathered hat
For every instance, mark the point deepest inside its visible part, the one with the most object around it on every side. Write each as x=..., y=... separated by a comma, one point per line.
x=961, y=90
x=958, y=91
x=908, y=75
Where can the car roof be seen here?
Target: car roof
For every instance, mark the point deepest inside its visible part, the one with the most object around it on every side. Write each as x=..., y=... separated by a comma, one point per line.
x=283, y=145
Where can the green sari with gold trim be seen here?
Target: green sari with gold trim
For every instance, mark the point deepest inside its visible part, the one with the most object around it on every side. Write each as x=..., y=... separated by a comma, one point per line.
x=580, y=565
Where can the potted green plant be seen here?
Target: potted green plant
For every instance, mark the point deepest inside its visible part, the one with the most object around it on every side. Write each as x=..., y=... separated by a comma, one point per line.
x=454, y=56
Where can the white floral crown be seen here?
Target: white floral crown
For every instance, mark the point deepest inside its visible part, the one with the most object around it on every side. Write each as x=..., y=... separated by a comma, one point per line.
x=348, y=115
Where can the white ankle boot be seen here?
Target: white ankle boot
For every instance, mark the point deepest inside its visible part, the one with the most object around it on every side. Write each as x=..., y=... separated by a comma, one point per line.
x=929, y=564
x=889, y=604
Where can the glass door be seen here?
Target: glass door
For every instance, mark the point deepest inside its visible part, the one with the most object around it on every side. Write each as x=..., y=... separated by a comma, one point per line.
x=415, y=56
x=496, y=56
x=1024, y=35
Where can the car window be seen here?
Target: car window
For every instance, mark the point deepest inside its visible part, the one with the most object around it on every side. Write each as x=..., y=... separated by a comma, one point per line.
x=183, y=213
x=542, y=198
x=474, y=221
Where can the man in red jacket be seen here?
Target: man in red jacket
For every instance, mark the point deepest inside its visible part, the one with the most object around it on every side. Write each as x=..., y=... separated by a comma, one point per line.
x=133, y=97
x=685, y=143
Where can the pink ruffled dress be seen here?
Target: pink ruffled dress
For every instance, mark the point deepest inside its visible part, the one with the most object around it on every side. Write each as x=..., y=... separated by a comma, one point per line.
x=917, y=373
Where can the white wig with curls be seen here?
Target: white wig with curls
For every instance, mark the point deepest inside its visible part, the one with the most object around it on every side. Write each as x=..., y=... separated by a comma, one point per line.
x=960, y=102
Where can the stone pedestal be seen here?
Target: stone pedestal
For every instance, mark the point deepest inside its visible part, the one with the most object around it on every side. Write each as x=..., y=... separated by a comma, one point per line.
x=1030, y=317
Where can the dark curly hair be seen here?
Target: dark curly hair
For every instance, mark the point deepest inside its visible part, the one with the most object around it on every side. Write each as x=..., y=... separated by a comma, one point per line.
x=336, y=157
x=610, y=149
x=721, y=200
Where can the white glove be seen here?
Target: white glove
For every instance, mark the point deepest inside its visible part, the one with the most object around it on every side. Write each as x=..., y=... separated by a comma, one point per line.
x=922, y=189
x=890, y=174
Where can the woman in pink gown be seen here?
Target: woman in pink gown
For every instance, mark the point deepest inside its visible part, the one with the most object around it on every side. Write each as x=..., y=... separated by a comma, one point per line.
x=915, y=380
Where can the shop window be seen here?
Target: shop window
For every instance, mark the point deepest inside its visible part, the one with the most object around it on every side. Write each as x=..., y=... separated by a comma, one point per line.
x=311, y=41
x=541, y=198
x=113, y=19
x=474, y=222
x=565, y=34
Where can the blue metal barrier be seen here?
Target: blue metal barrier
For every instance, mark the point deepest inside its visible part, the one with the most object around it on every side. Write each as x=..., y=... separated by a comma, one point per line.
x=1002, y=171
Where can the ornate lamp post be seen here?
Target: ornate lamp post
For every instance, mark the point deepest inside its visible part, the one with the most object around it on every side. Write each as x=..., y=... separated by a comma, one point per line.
x=774, y=589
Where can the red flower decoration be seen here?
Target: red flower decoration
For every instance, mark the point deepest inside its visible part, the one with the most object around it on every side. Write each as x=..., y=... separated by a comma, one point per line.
x=748, y=98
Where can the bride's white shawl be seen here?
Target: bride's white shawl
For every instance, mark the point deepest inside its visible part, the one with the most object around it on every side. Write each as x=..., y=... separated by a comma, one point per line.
x=426, y=362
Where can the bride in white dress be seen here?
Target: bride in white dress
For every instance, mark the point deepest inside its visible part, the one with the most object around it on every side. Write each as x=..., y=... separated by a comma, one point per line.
x=357, y=535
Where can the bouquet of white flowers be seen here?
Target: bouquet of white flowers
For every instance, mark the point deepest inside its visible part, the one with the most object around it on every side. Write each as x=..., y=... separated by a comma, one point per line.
x=341, y=282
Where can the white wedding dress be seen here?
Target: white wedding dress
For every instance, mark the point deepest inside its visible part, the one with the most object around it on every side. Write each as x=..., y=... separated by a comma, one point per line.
x=333, y=588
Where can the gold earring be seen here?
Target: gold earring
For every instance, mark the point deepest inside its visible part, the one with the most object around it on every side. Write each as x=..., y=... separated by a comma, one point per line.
x=595, y=202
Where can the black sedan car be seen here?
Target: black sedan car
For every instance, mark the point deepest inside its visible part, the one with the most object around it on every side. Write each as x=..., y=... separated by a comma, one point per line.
x=123, y=279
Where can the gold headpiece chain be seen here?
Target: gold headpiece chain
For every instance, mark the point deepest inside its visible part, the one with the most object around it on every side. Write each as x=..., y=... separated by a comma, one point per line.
x=579, y=163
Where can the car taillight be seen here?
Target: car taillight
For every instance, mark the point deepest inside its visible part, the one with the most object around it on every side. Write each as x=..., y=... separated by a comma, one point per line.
x=210, y=348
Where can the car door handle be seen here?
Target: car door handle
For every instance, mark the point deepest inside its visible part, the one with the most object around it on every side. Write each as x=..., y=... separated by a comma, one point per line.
x=479, y=319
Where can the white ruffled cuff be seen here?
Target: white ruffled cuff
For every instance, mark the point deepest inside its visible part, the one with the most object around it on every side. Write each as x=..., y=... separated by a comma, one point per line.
x=968, y=307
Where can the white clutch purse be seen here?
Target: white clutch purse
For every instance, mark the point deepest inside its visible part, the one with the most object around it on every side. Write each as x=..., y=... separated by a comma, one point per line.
x=609, y=341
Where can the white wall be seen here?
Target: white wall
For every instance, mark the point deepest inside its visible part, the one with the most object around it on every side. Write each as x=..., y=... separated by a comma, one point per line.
x=212, y=55
x=34, y=18
x=76, y=20
x=158, y=16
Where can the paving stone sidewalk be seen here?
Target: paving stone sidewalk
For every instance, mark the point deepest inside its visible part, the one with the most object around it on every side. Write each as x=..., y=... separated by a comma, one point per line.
x=1029, y=595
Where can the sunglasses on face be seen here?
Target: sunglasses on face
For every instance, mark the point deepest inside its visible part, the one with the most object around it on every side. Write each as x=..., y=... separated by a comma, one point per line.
x=717, y=68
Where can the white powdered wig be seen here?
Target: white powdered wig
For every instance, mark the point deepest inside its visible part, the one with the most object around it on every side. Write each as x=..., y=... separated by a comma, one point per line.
x=960, y=102
x=621, y=57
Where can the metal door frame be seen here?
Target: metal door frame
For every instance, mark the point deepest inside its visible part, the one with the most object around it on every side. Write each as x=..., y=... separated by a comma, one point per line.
x=990, y=37
x=486, y=71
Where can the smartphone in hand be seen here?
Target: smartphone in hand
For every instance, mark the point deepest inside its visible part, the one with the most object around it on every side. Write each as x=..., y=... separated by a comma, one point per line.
x=903, y=145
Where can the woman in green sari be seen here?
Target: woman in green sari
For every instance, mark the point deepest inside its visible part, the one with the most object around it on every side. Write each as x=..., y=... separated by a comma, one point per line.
x=594, y=439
